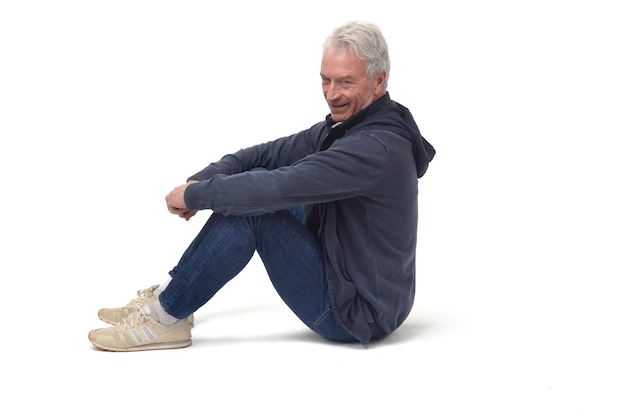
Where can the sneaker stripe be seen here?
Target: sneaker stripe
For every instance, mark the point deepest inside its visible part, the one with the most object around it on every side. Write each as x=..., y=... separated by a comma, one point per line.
x=147, y=332
x=136, y=336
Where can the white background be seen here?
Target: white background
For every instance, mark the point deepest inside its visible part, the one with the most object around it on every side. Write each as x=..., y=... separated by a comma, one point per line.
x=107, y=105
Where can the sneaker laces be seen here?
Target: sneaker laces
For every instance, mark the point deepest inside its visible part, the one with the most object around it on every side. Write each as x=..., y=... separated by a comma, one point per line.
x=142, y=295
x=137, y=316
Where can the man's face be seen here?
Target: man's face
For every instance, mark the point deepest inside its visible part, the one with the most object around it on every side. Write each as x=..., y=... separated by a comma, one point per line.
x=345, y=85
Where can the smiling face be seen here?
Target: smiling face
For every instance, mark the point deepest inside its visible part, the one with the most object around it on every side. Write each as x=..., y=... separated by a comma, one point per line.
x=345, y=84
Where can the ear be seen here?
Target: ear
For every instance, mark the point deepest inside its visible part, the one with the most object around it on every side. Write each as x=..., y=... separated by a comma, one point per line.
x=379, y=84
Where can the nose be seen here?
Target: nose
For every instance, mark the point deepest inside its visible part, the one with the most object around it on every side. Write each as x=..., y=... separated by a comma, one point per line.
x=332, y=91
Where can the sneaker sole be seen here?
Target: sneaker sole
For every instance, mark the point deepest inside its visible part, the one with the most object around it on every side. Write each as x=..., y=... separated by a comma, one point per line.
x=154, y=346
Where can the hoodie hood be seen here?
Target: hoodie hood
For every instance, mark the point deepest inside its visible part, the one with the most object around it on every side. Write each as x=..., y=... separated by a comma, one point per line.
x=393, y=116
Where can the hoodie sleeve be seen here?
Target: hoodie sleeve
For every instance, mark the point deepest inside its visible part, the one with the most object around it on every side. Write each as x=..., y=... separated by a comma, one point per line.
x=349, y=168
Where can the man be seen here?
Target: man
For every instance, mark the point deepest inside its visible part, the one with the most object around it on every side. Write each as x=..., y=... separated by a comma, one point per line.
x=331, y=211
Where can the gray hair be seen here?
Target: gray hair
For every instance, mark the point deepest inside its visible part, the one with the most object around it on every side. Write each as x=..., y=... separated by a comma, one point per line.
x=365, y=41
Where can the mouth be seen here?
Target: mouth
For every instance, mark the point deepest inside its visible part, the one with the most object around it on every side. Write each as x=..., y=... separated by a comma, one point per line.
x=337, y=108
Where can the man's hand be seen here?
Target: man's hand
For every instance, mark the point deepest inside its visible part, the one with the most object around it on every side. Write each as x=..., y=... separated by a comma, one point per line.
x=176, y=202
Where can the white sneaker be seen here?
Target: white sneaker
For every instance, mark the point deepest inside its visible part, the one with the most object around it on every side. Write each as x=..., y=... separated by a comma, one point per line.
x=145, y=296
x=140, y=330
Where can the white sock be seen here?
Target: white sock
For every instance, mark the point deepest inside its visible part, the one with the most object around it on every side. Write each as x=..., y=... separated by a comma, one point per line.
x=161, y=287
x=163, y=316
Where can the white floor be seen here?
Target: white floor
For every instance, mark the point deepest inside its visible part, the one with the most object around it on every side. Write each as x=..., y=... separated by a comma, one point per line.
x=472, y=345
x=520, y=296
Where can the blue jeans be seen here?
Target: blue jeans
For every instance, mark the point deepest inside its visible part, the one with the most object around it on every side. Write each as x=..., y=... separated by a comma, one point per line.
x=292, y=257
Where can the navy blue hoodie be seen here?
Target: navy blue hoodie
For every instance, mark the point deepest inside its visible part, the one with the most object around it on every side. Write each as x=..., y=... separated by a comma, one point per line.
x=360, y=196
